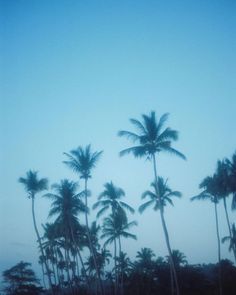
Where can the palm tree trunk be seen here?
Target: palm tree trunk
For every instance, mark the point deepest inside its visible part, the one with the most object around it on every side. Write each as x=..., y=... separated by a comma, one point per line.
x=115, y=260
x=230, y=232
x=219, y=249
x=41, y=246
x=165, y=231
x=44, y=284
x=171, y=281
x=80, y=257
x=90, y=242
x=121, y=270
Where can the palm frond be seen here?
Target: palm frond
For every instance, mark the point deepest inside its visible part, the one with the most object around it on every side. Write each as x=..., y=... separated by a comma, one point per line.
x=145, y=206
x=126, y=206
x=129, y=135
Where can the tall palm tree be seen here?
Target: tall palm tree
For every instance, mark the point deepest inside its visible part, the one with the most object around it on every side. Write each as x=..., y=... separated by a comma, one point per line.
x=210, y=193
x=158, y=199
x=150, y=139
x=33, y=185
x=110, y=198
x=66, y=205
x=82, y=161
x=116, y=226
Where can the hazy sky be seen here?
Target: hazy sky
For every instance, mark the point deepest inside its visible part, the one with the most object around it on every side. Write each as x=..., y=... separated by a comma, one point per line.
x=74, y=72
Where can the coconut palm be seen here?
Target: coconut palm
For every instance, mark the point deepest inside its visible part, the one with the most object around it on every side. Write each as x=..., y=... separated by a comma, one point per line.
x=223, y=190
x=66, y=205
x=179, y=258
x=158, y=199
x=151, y=139
x=210, y=193
x=110, y=198
x=231, y=239
x=33, y=186
x=82, y=161
x=116, y=226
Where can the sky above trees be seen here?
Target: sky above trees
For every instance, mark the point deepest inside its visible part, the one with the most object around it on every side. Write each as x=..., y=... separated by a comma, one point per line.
x=74, y=72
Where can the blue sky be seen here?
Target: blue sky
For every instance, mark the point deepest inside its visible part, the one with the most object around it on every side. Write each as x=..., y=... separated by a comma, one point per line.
x=74, y=72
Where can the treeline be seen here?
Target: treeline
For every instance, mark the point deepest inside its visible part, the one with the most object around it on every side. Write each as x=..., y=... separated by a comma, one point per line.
x=67, y=240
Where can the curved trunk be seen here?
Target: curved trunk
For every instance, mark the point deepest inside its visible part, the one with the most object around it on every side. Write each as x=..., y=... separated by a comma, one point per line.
x=90, y=242
x=219, y=249
x=228, y=223
x=41, y=246
x=166, y=231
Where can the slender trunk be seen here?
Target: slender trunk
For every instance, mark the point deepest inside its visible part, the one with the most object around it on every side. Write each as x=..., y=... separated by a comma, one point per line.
x=44, y=284
x=80, y=257
x=230, y=232
x=90, y=242
x=58, y=276
x=121, y=270
x=115, y=260
x=218, y=243
x=165, y=230
x=41, y=246
x=171, y=281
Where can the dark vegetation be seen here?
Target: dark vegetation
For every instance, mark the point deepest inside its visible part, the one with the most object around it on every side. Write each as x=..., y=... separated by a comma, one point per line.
x=67, y=241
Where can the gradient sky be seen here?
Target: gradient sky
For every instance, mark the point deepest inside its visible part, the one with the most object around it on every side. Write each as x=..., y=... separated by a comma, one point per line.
x=74, y=72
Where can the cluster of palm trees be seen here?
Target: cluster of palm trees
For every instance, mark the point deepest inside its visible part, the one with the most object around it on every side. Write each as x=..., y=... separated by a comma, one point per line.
x=218, y=187
x=67, y=238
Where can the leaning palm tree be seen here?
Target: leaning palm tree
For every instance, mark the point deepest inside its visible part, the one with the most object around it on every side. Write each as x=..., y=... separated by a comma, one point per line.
x=210, y=193
x=150, y=139
x=158, y=198
x=82, y=161
x=110, y=198
x=33, y=185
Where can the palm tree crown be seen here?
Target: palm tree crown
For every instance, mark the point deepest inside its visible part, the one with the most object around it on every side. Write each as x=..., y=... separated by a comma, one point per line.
x=151, y=138
x=66, y=202
x=82, y=160
x=32, y=184
x=160, y=192
x=110, y=198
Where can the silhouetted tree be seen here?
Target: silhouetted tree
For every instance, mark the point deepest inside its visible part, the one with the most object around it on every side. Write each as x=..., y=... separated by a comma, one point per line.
x=82, y=161
x=20, y=279
x=210, y=192
x=33, y=185
x=150, y=140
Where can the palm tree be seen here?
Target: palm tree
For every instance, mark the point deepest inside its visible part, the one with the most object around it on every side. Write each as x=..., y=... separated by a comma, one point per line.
x=66, y=205
x=210, y=192
x=179, y=258
x=150, y=140
x=33, y=185
x=82, y=161
x=145, y=258
x=223, y=190
x=114, y=227
x=158, y=198
x=110, y=198
x=231, y=238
